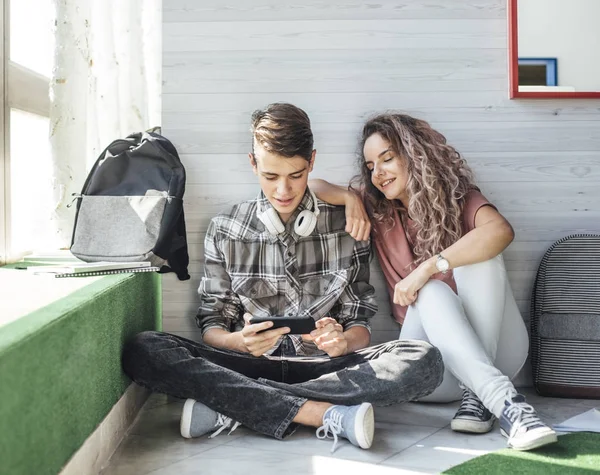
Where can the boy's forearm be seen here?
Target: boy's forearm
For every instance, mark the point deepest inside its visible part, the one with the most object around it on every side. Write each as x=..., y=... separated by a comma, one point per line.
x=220, y=338
x=357, y=337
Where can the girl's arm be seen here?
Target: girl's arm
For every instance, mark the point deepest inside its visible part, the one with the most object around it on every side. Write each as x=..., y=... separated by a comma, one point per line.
x=357, y=219
x=491, y=235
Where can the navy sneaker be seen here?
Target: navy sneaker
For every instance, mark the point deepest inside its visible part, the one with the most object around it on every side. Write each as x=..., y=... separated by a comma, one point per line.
x=472, y=416
x=355, y=423
x=198, y=419
x=521, y=425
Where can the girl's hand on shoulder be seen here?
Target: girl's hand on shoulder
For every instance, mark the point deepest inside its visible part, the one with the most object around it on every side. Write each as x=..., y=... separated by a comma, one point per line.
x=407, y=290
x=358, y=224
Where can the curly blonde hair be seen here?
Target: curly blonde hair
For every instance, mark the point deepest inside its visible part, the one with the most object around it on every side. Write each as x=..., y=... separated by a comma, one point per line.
x=438, y=182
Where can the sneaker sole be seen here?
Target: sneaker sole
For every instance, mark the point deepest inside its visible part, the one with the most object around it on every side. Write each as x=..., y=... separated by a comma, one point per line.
x=185, y=425
x=534, y=443
x=365, y=425
x=471, y=427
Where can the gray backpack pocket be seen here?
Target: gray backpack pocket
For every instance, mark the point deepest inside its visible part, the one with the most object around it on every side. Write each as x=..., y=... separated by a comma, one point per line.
x=119, y=228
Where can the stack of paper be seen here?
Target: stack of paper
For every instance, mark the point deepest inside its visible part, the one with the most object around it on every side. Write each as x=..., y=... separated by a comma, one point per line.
x=58, y=256
x=587, y=422
x=86, y=267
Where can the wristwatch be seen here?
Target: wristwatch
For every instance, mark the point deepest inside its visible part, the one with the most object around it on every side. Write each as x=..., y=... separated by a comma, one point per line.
x=442, y=265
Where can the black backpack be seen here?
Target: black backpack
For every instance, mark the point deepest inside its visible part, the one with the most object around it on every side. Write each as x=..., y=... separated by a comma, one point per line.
x=131, y=206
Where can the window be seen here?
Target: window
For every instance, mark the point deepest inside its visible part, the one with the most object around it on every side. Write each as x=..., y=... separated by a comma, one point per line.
x=537, y=72
x=30, y=187
x=27, y=62
x=31, y=37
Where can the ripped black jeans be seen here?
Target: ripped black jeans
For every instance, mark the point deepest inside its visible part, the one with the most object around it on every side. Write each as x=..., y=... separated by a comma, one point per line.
x=265, y=393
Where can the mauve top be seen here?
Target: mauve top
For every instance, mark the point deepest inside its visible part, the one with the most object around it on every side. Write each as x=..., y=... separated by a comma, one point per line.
x=395, y=251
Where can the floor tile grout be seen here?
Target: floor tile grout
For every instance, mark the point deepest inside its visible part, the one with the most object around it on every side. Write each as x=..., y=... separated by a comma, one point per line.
x=184, y=458
x=405, y=448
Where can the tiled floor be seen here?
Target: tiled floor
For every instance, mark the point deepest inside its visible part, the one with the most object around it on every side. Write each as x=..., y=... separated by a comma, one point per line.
x=409, y=439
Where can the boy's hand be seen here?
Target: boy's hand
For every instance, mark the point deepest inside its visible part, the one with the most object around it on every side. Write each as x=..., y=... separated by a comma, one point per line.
x=258, y=343
x=329, y=337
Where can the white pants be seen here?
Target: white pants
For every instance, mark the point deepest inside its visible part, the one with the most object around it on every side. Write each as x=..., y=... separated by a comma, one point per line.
x=480, y=332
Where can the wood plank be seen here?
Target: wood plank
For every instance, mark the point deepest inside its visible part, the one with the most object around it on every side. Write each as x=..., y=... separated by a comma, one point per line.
x=550, y=167
x=179, y=324
x=323, y=10
x=236, y=109
x=333, y=34
x=466, y=137
x=192, y=335
x=526, y=251
x=334, y=71
x=549, y=226
x=534, y=197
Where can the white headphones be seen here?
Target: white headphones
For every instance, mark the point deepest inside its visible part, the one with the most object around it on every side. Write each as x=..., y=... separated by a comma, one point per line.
x=303, y=226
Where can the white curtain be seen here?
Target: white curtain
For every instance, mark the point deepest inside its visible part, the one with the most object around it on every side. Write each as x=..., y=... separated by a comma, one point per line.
x=106, y=85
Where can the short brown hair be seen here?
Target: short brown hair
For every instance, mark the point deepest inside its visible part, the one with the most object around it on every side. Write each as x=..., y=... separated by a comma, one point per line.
x=283, y=129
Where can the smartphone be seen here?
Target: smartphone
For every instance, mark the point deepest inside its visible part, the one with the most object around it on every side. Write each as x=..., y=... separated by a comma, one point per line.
x=297, y=325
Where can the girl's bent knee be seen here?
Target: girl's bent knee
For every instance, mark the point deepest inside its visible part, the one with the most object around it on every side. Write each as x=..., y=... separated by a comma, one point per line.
x=433, y=288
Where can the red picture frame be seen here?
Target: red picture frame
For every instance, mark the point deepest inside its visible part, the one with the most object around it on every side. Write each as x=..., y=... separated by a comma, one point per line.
x=513, y=66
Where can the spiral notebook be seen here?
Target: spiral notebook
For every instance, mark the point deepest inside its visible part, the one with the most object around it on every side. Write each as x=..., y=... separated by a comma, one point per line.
x=108, y=272
x=87, y=269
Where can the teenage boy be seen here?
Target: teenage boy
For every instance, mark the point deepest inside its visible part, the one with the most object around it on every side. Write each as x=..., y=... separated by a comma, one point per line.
x=283, y=254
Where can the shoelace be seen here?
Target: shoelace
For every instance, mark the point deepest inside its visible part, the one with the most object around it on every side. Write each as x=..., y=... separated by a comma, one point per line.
x=524, y=413
x=331, y=428
x=223, y=423
x=471, y=404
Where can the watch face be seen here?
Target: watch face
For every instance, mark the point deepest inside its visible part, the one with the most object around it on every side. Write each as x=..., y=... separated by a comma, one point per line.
x=442, y=265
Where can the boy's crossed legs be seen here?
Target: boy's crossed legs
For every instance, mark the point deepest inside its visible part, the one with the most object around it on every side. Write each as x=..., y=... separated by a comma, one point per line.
x=272, y=395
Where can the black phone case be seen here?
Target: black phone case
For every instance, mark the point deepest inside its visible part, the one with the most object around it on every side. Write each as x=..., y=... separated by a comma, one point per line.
x=297, y=325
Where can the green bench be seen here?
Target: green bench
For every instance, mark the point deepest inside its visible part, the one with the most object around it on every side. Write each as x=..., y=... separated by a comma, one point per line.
x=60, y=362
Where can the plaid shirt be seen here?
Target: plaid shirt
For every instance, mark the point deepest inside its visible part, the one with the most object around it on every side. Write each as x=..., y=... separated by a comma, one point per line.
x=249, y=270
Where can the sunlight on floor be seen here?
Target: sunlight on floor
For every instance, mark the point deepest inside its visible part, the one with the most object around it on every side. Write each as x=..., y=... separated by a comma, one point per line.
x=456, y=450
x=327, y=466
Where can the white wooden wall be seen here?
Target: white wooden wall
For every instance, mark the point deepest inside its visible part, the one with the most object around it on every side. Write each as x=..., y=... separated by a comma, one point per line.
x=443, y=61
